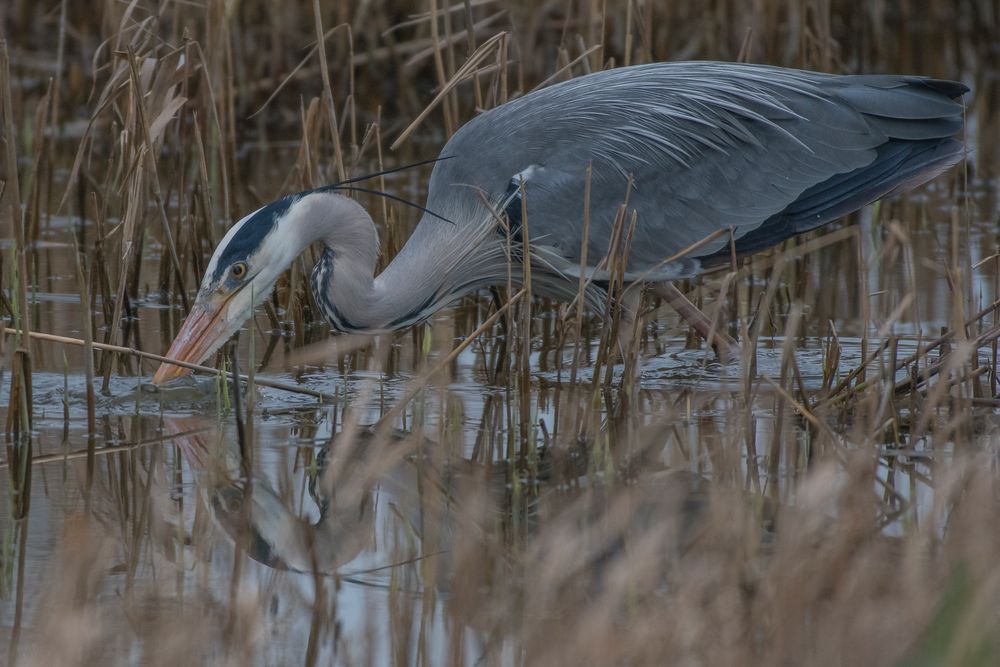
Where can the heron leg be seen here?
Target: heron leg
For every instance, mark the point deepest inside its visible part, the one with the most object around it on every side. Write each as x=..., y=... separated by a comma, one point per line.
x=500, y=367
x=630, y=304
x=725, y=347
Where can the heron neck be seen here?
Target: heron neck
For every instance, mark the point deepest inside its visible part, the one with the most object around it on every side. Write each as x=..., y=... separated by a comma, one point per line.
x=440, y=261
x=344, y=284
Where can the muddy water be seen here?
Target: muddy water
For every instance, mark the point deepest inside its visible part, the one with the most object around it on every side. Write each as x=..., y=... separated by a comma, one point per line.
x=369, y=558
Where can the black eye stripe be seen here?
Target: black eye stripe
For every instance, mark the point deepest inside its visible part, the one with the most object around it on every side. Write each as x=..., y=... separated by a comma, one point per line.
x=249, y=238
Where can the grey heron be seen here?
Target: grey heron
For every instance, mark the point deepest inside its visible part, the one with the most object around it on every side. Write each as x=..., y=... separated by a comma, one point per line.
x=690, y=149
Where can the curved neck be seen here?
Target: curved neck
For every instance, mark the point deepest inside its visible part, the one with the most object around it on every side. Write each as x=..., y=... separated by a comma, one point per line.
x=343, y=281
x=439, y=262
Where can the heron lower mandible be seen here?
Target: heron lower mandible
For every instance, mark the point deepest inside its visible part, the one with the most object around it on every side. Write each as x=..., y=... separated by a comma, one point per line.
x=745, y=156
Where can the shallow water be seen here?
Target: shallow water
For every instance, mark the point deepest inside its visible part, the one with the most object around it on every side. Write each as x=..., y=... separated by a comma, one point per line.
x=157, y=486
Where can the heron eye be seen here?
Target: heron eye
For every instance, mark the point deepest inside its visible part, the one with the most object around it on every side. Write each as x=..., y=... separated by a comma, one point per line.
x=238, y=270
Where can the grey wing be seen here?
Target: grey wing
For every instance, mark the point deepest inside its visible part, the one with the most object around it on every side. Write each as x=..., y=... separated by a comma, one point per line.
x=768, y=152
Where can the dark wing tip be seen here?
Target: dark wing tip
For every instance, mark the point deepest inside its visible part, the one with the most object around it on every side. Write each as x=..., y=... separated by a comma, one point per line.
x=951, y=89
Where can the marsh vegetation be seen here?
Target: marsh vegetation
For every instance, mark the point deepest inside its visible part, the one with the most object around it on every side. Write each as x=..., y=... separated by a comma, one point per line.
x=491, y=487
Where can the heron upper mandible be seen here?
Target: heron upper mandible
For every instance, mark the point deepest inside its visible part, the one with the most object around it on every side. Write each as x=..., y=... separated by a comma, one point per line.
x=690, y=148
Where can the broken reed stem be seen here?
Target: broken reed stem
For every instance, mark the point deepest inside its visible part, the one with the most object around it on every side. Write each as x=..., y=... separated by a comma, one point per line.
x=933, y=369
x=915, y=379
x=262, y=382
x=835, y=395
x=114, y=449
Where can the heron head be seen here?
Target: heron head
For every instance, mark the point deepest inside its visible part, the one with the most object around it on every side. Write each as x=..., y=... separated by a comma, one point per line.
x=240, y=275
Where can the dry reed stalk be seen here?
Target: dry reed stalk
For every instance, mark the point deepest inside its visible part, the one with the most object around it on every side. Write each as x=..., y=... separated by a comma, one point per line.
x=119, y=349
x=421, y=51
x=83, y=284
x=351, y=101
x=492, y=44
x=565, y=68
x=610, y=263
x=147, y=152
x=616, y=338
x=863, y=290
x=583, y=281
x=20, y=405
x=525, y=312
x=34, y=184
x=503, y=58
x=417, y=385
x=99, y=264
x=204, y=193
x=449, y=101
x=470, y=34
x=631, y=341
x=299, y=67
x=21, y=528
x=20, y=413
x=11, y=184
x=112, y=449
x=331, y=108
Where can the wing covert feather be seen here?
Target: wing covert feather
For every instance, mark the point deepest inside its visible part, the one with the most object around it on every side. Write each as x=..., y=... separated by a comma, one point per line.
x=708, y=146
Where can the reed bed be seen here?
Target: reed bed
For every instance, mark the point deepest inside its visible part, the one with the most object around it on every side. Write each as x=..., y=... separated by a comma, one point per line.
x=828, y=497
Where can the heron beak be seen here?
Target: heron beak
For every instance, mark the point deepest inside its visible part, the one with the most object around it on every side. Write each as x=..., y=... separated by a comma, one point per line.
x=199, y=337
